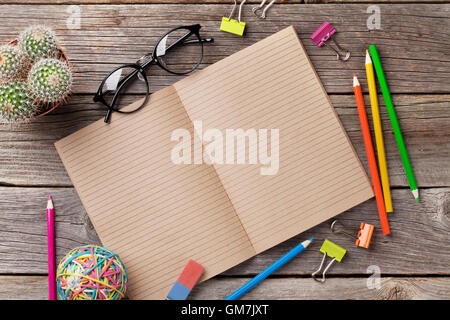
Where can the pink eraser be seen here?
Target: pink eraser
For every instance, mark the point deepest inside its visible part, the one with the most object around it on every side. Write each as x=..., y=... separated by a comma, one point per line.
x=190, y=274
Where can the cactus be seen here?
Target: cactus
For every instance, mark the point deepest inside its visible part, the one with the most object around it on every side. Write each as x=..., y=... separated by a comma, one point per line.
x=38, y=42
x=32, y=78
x=13, y=63
x=50, y=80
x=16, y=101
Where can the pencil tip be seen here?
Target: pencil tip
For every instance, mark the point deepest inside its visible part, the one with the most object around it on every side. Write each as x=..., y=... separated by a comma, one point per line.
x=306, y=243
x=415, y=193
x=49, y=202
x=368, y=60
x=355, y=81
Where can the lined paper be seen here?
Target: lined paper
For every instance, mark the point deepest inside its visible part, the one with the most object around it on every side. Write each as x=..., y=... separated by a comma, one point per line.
x=272, y=84
x=156, y=215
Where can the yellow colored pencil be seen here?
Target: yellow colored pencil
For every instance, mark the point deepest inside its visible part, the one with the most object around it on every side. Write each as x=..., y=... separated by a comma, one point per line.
x=378, y=133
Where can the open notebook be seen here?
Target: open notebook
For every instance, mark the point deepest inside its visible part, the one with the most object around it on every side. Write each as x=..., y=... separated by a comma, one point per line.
x=156, y=214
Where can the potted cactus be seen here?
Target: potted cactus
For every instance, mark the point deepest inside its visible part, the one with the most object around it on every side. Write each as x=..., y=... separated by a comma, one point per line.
x=35, y=75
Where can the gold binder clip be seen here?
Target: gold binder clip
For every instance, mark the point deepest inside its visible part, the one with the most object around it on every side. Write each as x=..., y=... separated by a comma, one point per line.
x=234, y=26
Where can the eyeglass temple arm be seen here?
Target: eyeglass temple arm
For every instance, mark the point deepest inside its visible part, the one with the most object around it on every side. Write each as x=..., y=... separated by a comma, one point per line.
x=207, y=40
x=182, y=41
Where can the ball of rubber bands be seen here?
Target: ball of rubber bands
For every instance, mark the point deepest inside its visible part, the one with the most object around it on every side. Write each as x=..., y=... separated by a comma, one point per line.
x=91, y=273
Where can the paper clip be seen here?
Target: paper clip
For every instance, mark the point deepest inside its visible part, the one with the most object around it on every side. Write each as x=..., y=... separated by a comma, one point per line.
x=364, y=234
x=234, y=26
x=263, y=14
x=333, y=251
x=325, y=32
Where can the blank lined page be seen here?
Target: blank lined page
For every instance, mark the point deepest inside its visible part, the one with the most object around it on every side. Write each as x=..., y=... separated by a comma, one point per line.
x=156, y=215
x=272, y=85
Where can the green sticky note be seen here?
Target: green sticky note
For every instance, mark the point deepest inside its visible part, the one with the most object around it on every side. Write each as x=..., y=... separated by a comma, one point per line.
x=232, y=26
x=333, y=250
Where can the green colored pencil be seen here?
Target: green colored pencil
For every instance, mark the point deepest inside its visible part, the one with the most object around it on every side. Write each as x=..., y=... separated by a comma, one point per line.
x=394, y=121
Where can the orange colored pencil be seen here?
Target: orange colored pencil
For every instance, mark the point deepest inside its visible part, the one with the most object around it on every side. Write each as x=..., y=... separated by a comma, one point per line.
x=370, y=155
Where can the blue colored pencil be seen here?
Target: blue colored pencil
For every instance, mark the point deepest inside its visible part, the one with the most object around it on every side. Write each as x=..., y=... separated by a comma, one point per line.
x=269, y=270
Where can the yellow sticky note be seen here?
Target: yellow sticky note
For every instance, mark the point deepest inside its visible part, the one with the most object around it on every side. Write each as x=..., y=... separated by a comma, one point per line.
x=232, y=26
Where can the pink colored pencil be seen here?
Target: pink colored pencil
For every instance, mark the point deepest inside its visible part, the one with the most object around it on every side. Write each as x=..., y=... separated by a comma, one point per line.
x=51, y=249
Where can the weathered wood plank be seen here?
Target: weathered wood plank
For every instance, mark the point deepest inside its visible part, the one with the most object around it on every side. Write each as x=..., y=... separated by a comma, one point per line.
x=414, y=55
x=417, y=245
x=28, y=157
x=34, y=2
x=21, y=218
x=35, y=287
x=334, y=289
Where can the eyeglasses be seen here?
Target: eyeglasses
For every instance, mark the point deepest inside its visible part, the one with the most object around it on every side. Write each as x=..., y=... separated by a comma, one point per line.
x=179, y=51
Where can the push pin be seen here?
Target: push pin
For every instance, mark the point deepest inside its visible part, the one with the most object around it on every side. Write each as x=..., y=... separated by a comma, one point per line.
x=333, y=251
x=325, y=32
x=234, y=26
x=364, y=234
x=263, y=14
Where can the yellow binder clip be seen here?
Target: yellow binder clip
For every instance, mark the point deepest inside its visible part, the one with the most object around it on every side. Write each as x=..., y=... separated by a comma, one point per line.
x=234, y=26
x=333, y=251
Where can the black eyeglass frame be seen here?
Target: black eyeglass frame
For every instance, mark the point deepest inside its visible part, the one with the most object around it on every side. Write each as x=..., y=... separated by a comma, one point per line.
x=140, y=69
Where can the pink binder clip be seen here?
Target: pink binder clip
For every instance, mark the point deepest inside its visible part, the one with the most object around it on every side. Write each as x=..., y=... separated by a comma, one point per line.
x=325, y=32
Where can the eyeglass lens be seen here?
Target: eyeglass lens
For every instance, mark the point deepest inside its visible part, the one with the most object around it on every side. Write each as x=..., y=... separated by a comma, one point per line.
x=179, y=56
x=123, y=87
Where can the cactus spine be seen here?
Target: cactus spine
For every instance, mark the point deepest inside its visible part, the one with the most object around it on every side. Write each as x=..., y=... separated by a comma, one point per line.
x=33, y=76
x=38, y=42
x=13, y=63
x=50, y=80
x=16, y=101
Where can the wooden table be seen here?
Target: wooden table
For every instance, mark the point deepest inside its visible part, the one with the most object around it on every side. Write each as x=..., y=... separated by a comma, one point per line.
x=414, y=39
